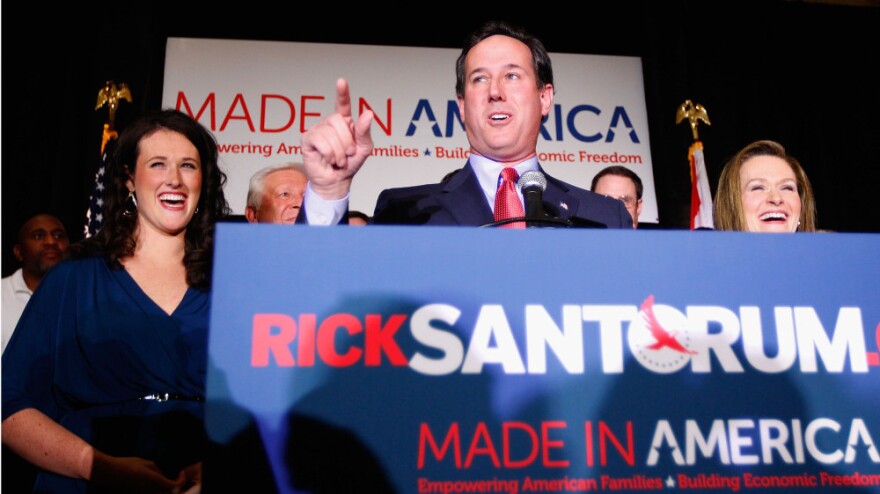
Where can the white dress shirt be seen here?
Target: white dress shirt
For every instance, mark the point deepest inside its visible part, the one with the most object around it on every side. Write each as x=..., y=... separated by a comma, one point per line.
x=15, y=295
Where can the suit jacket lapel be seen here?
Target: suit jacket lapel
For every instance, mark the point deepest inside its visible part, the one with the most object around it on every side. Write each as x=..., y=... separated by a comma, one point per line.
x=556, y=196
x=464, y=199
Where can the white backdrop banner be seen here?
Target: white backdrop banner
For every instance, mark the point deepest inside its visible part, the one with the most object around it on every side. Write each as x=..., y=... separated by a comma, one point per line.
x=257, y=97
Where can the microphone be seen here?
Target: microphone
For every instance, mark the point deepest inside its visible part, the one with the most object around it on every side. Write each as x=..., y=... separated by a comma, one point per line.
x=532, y=184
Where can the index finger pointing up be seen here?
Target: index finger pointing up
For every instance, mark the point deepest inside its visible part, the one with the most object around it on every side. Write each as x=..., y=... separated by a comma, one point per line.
x=343, y=99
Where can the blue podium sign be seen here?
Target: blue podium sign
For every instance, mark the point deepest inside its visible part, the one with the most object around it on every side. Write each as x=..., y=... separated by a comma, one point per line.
x=451, y=359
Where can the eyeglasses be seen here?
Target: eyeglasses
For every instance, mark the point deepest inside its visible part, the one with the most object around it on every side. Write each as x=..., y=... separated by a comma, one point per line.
x=629, y=201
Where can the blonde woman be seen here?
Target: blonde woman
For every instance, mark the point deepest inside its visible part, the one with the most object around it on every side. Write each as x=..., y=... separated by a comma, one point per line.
x=764, y=189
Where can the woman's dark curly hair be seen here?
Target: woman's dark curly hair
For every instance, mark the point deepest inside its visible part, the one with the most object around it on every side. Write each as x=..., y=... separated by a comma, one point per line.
x=117, y=237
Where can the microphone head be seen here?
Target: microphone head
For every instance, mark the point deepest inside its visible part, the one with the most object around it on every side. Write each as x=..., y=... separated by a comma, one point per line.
x=532, y=178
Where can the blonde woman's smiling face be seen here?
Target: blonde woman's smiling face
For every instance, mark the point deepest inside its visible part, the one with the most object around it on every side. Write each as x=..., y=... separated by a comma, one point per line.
x=770, y=198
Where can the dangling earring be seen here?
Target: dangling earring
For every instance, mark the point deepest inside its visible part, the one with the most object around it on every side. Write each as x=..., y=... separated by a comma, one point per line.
x=131, y=204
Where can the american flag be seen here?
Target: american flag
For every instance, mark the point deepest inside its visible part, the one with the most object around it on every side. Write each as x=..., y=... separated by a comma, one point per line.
x=701, y=195
x=95, y=213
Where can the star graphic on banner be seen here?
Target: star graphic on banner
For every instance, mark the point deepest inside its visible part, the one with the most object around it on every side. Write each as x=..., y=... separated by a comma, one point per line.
x=427, y=152
x=670, y=482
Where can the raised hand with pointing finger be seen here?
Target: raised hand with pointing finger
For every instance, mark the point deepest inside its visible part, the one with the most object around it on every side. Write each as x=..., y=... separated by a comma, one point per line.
x=335, y=148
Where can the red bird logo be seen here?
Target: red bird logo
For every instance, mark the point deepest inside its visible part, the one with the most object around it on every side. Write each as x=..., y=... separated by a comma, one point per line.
x=662, y=337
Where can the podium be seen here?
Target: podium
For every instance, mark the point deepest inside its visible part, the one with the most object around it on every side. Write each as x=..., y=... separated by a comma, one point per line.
x=455, y=359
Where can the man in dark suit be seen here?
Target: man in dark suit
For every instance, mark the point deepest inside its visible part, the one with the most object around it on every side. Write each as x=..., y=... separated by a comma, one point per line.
x=504, y=88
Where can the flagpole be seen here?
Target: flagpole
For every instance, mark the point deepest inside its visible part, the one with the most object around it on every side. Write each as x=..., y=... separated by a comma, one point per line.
x=109, y=95
x=701, y=194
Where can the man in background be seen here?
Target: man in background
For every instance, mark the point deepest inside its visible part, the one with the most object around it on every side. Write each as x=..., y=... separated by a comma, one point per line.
x=358, y=218
x=621, y=183
x=275, y=194
x=42, y=243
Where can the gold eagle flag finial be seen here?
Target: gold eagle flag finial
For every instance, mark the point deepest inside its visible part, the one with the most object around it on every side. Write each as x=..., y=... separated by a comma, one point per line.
x=693, y=113
x=110, y=94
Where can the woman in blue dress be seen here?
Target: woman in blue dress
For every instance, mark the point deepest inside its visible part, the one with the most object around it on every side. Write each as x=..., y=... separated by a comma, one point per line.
x=104, y=378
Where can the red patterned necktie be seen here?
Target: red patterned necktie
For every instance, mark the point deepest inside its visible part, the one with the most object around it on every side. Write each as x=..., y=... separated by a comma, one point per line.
x=507, y=204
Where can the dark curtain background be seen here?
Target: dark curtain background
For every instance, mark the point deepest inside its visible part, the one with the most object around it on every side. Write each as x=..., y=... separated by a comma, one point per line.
x=804, y=74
